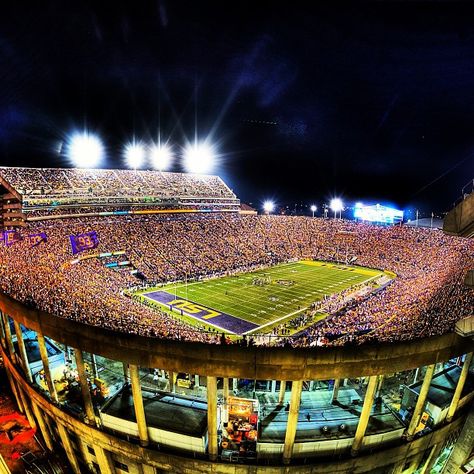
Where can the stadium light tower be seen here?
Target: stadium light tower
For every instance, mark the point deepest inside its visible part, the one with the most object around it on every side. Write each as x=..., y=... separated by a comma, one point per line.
x=85, y=150
x=268, y=207
x=313, y=209
x=161, y=157
x=134, y=153
x=199, y=157
x=336, y=206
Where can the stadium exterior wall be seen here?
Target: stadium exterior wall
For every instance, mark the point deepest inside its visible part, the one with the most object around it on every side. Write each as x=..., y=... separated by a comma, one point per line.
x=220, y=361
x=277, y=363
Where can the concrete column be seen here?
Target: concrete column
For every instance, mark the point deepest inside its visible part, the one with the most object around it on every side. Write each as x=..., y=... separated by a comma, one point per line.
x=274, y=386
x=148, y=469
x=463, y=447
x=420, y=402
x=212, y=417
x=171, y=379
x=335, y=390
x=26, y=406
x=429, y=463
x=196, y=380
x=459, y=387
x=281, y=395
x=103, y=460
x=398, y=469
x=47, y=373
x=415, y=461
x=8, y=334
x=126, y=375
x=86, y=393
x=23, y=355
x=15, y=392
x=225, y=382
x=295, y=399
x=379, y=385
x=71, y=455
x=95, y=372
x=50, y=423
x=138, y=405
x=43, y=427
x=235, y=384
x=415, y=377
x=364, y=415
x=2, y=329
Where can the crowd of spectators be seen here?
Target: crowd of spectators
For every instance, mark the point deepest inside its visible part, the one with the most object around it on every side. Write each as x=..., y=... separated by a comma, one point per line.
x=56, y=184
x=426, y=298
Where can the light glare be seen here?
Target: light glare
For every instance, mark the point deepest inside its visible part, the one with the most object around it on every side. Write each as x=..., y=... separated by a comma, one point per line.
x=198, y=157
x=336, y=205
x=313, y=208
x=161, y=156
x=268, y=206
x=85, y=150
x=134, y=155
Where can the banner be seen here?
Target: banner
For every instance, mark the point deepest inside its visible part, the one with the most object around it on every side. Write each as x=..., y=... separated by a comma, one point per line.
x=81, y=242
x=36, y=239
x=10, y=237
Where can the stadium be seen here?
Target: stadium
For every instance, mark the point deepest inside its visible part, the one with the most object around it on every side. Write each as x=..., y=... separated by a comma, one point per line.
x=151, y=323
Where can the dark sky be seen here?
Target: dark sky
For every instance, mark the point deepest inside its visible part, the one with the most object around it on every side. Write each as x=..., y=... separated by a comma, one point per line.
x=367, y=101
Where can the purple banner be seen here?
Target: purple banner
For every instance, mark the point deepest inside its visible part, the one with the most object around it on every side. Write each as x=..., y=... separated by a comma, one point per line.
x=10, y=237
x=36, y=239
x=86, y=241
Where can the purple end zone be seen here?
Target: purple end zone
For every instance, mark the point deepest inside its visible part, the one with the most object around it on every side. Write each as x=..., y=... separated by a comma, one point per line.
x=205, y=314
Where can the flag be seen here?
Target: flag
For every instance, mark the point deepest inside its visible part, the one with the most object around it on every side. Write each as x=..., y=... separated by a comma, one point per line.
x=36, y=239
x=11, y=237
x=81, y=242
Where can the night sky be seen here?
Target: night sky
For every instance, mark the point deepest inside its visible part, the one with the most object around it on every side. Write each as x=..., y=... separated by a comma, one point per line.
x=366, y=101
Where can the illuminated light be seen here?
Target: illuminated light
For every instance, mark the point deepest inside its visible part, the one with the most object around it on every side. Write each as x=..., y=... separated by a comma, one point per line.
x=134, y=155
x=199, y=157
x=358, y=205
x=378, y=214
x=161, y=157
x=313, y=208
x=336, y=205
x=85, y=150
x=268, y=206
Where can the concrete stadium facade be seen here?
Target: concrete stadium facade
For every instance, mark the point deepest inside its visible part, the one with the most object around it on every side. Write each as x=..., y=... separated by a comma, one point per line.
x=90, y=446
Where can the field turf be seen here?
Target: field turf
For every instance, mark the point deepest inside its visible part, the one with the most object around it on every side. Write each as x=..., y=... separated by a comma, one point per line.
x=236, y=304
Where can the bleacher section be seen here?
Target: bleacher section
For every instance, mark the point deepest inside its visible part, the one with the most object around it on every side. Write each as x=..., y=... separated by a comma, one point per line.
x=45, y=192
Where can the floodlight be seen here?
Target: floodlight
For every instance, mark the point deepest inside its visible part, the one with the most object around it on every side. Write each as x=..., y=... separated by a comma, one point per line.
x=268, y=206
x=313, y=208
x=198, y=157
x=85, y=150
x=160, y=157
x=336, y=205
x=134, y=154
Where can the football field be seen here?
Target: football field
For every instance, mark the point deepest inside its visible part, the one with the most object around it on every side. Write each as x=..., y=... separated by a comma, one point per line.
x=258, y=300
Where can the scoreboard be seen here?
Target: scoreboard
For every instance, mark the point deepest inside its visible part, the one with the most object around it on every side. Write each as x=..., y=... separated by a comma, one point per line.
x=377, y=214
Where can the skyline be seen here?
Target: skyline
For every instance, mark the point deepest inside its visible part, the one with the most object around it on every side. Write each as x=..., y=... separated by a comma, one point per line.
x=369, y=102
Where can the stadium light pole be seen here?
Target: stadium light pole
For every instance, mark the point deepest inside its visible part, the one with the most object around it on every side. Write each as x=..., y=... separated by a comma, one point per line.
x=336, y=206
x=313, y=209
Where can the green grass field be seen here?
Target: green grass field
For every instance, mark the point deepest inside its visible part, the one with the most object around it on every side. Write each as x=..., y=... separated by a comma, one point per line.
x=286, y=290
